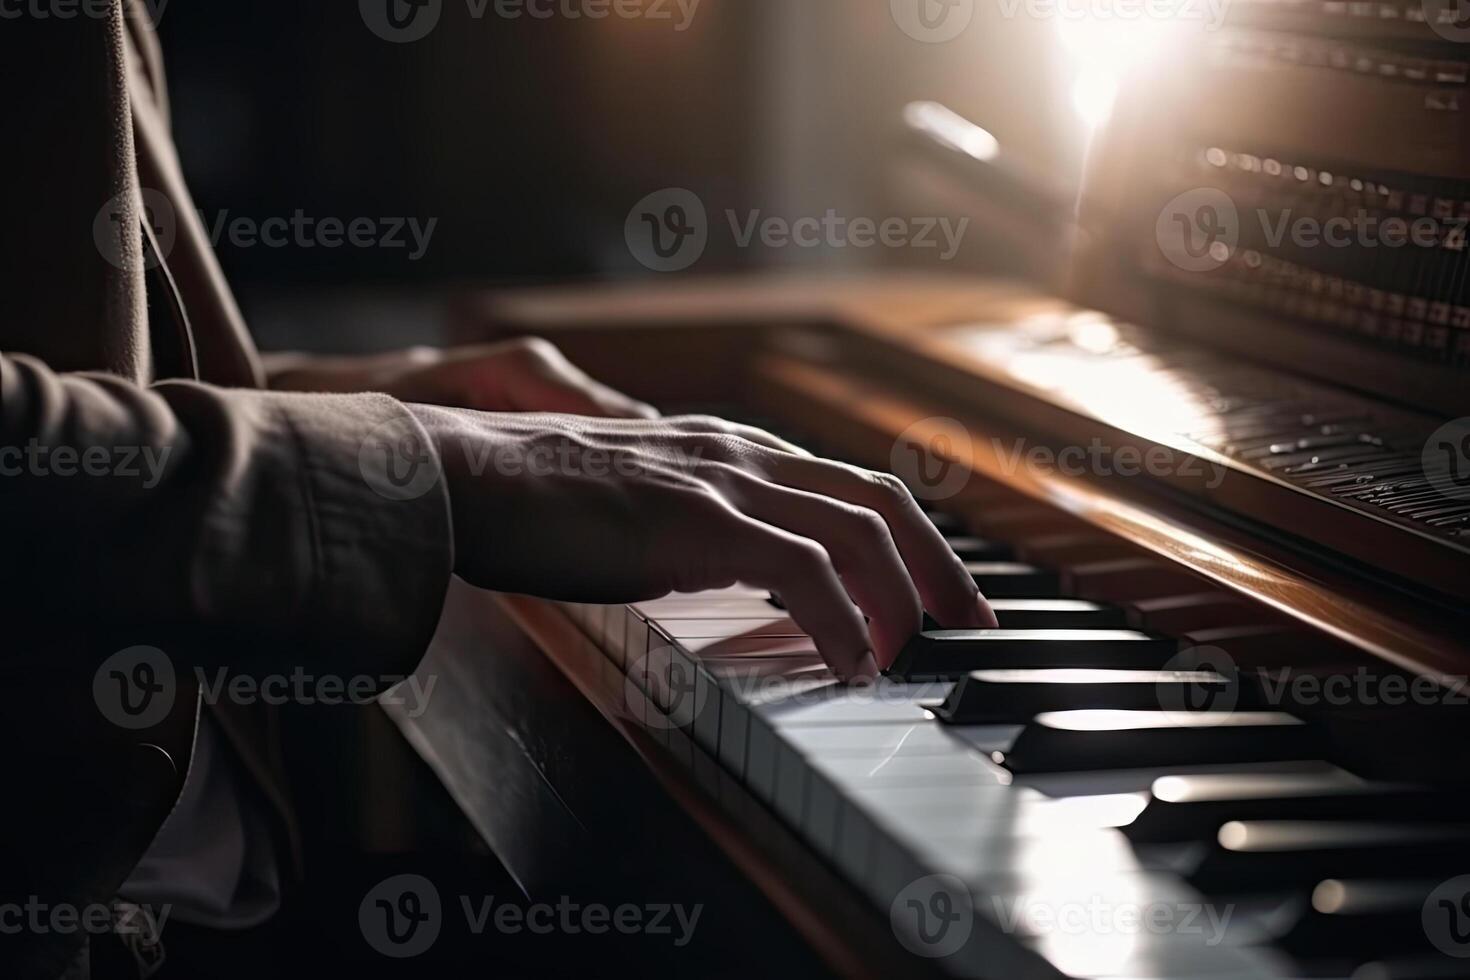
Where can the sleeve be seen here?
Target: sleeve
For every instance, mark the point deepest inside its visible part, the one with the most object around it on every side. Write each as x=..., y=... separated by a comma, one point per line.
x=241, y=524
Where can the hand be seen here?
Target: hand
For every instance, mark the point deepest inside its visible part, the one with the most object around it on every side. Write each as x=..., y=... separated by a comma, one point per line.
x=622, y=511
x=528, y=375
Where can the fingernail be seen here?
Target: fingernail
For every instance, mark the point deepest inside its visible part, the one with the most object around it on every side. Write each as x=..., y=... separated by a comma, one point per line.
x=987, y=615
x=866, y=669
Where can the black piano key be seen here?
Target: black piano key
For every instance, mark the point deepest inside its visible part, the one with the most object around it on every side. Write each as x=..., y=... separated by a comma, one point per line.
x=1012, y=580
x=996, y=697
x=946, y=523
x=970, y=548
x=1083, y=741
x=1193, y=807
x=1259, y=855
x=951, y=654
x=1433, y=966
x=1057, y=614
x=1357, y=918
x=1049, y=614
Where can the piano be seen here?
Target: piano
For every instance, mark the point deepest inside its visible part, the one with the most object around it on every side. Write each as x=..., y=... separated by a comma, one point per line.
x=1217, y=485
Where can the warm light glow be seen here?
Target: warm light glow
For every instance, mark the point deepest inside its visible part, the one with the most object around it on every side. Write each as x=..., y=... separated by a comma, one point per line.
x=952, y=129
x=1099, y=49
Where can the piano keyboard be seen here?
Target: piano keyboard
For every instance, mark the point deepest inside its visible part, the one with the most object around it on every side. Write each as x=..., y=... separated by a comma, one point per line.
x=1091, y=790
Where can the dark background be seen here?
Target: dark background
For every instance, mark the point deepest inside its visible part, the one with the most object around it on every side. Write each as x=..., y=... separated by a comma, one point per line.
x=531, y=139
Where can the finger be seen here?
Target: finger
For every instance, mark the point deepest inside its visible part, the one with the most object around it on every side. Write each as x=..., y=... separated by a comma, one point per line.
x=859, y=543
x=947, y=590
x=566, y=391
x=801, y=570
x=710, y=425
x=551, y=383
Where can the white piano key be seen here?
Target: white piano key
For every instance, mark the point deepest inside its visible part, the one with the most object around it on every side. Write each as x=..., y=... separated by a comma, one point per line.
x=760, y=758
x=994, y=810
x=1141, y=780
x=635, y=640
x=736, y=603
x=742, y=645
x=734, y=729
x=981, y=850
x=791, y=781
x=949, y=769
x=820, y=819
x=917, y=737
x=836, y=704
x=777, y=626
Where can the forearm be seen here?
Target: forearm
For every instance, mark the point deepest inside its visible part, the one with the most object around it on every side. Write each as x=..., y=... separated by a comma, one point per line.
x=191, y=511
x=295, y=371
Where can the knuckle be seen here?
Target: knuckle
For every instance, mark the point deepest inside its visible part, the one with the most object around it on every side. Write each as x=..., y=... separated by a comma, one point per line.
x=806, y=556
x=702, y=424
x=535, y=350
x=888, y=488
x=869, y=524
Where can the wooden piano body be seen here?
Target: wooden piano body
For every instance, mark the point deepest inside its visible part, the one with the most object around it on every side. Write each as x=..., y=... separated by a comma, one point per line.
x=708, y=724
